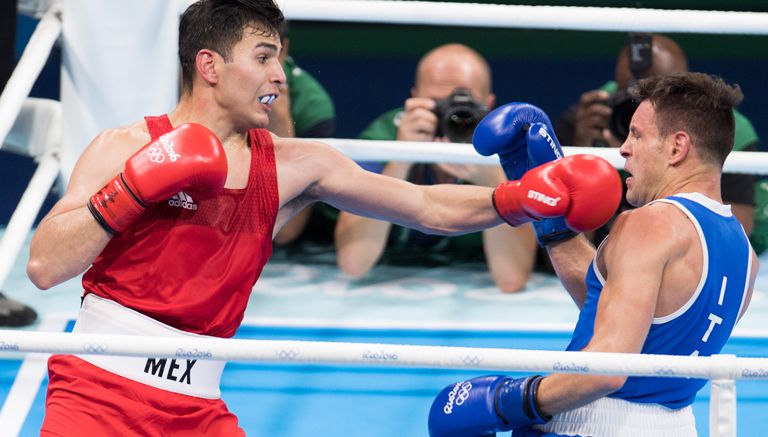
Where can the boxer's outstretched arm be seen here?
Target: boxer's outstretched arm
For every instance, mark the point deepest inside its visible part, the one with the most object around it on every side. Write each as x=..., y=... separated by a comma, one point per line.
x=68, y=238
x=437, y=209
x=360, y=241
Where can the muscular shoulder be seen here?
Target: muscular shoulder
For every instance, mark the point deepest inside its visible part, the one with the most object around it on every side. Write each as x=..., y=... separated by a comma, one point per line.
x=297, y=151
x=120, y=140
x=104, y=157
x=658, y=228
x=106, y=154
x=306, y=165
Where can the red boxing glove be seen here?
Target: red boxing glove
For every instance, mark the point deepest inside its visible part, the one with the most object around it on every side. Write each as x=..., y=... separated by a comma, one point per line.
x=188, y=158
x=585, y=189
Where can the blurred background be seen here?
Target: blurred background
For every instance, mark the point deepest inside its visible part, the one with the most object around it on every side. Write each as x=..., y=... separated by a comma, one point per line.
x=369, y=68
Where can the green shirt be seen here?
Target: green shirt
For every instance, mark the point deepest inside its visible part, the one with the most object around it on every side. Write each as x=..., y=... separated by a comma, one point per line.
x=310, y=102
x=407, y=246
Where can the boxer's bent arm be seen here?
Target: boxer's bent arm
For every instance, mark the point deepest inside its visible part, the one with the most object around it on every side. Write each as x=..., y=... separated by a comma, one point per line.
x=571, y=258
x=636, y=253
x=68, y=238
x=438, y=209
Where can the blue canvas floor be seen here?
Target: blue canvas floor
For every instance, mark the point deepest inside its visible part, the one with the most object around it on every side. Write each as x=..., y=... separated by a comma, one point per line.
x=313, y=301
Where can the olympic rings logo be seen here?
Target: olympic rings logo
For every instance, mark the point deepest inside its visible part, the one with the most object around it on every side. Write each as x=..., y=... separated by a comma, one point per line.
x=457, y=396
x=93, y=348
x=472, y=360
x=463, y=393
x=155, y=153
x=287, y=354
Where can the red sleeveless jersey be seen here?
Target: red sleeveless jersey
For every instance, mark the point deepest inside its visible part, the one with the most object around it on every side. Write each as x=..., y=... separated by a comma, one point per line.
x=191, y=263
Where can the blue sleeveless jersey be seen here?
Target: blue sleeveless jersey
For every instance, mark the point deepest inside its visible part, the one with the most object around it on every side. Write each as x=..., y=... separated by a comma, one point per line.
x=701, y=326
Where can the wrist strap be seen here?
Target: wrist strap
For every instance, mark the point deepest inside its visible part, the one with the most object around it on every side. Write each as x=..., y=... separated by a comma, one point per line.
x=531, y=403
x=549, y=230
x=507, y=206
x=115, y=206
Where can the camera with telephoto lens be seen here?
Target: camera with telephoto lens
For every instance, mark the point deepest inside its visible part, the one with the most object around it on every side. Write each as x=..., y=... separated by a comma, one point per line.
x=622, y=104
x=458, y=115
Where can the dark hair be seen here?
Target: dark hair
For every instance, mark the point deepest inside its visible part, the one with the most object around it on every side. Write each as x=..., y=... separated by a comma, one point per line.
x=697, y=103
x=219, y=25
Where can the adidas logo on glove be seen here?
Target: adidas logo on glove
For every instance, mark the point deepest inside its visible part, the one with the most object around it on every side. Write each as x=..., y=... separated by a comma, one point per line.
x=182, y=200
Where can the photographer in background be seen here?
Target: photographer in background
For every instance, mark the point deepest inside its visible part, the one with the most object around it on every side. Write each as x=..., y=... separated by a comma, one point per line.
x=601, y=119
x=452, y=92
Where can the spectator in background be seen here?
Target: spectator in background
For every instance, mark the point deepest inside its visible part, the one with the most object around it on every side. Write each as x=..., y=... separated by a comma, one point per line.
x=601, y=119
x=12, y=313
x=449, y=79
x=304, y=110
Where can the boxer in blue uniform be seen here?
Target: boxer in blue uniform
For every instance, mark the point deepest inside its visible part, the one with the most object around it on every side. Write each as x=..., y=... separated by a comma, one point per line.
x=673, y=277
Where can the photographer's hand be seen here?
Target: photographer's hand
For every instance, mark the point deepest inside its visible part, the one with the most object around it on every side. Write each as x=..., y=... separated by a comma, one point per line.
x=610, y=140
x=418, y=122
x=592, y=116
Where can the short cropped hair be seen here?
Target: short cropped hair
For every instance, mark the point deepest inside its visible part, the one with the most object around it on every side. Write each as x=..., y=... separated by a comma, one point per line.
x=218, y=25
x=697, y=103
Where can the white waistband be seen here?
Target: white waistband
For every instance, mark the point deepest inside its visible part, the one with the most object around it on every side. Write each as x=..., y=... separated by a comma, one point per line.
x=192, y=377
x=609, y=417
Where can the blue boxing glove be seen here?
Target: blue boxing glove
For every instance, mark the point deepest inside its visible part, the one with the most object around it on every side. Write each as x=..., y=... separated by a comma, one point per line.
x=504, y=131
x=543, y=147
x=523, y=137
x=482, y=406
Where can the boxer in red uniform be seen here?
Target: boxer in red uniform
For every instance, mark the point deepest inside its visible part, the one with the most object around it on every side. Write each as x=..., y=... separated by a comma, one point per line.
x=172, y=220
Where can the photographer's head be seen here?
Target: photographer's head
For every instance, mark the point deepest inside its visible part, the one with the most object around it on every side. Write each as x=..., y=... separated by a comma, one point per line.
x=452, y=66
x=455, y=77
x=643, y=56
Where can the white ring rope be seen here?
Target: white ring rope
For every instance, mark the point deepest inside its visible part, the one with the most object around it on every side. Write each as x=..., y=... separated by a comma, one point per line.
x=434, y=152
x=528, y=17
x=524, y=17
x=715, y=367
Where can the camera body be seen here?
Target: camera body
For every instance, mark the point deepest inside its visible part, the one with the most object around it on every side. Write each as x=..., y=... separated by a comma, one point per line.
x=458, y=115
x=623, y=106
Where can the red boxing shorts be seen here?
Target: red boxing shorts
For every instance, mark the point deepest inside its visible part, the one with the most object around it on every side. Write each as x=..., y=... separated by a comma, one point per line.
x=85, y=400
x=95, y=395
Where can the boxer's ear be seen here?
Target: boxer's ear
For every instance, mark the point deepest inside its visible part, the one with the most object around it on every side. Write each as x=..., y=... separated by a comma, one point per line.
x=205, y=63
x=679, y=147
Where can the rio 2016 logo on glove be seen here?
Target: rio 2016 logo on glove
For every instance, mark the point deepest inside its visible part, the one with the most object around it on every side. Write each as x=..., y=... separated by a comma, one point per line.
x=155, y=152
x=458, y=395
